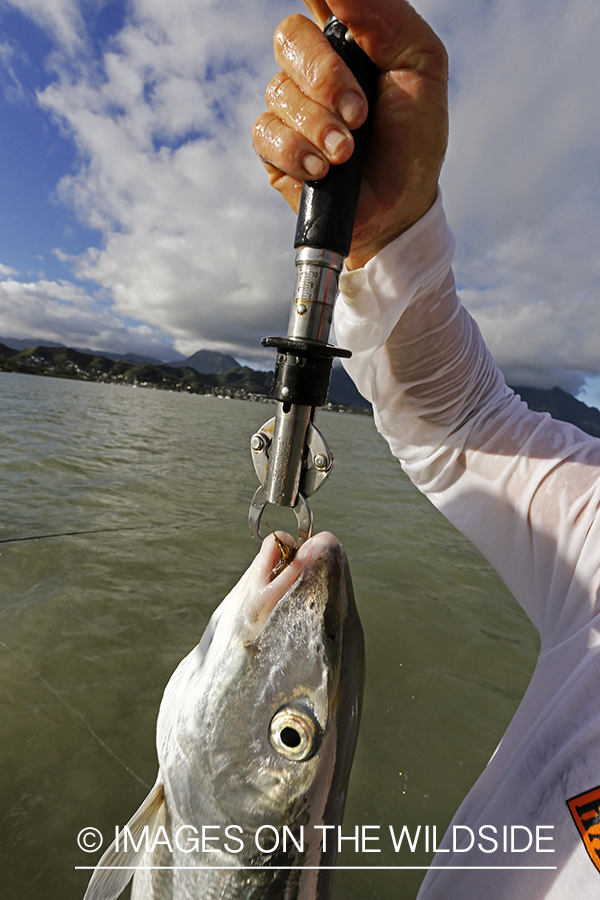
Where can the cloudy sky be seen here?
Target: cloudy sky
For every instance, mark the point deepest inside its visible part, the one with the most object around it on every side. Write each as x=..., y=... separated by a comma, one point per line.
x=136, y=217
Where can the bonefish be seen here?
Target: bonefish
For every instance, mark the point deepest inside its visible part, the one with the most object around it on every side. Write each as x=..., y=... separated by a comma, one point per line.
x=255, y=738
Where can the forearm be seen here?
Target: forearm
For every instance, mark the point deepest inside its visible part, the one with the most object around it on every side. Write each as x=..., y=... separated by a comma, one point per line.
x=416, y=353
x=521, y=486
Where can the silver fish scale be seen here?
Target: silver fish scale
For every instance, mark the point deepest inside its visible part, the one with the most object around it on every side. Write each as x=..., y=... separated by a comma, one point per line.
x=216, y=884
x=154, y=883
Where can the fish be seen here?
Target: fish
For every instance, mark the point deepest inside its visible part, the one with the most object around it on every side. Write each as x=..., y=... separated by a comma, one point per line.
x=255, y=737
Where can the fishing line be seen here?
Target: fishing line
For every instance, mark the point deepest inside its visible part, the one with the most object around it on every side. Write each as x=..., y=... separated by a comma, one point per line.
x=41, y=537
x=81, y=716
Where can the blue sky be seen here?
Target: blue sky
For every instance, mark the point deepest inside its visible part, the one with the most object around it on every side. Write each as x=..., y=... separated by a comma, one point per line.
x=136, y=217
x=33, y=153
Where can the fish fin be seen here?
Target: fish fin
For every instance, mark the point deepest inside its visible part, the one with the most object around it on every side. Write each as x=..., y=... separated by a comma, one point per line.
x=116, y=867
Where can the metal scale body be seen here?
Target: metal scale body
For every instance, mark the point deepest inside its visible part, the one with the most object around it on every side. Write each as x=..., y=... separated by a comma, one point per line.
x=290, y=456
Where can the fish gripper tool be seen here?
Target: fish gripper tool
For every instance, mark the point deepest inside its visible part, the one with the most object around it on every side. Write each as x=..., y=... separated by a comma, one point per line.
x=290, y=455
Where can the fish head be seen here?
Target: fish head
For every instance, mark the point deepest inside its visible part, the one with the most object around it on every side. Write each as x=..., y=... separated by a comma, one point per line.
x=259, y=722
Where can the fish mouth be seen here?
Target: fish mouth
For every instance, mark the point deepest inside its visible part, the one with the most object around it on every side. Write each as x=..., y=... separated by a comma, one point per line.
x=280, y=550
x=273, y=582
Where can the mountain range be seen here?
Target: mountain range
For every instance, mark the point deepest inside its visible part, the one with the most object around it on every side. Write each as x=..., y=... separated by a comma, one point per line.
x=209, y=361
x=208, y=371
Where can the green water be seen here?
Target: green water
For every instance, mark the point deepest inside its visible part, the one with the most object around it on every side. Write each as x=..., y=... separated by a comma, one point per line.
x=92, y=625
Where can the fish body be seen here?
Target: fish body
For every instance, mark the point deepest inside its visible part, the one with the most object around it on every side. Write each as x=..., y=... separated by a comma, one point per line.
x=255, y=738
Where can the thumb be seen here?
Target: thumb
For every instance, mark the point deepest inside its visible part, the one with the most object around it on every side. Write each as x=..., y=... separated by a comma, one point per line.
x=319, y=11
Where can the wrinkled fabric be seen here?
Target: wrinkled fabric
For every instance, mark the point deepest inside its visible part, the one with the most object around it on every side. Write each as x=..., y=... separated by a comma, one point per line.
x=525, y=489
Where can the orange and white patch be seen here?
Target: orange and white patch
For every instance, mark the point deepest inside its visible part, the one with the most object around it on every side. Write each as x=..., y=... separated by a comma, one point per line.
x=585, y=809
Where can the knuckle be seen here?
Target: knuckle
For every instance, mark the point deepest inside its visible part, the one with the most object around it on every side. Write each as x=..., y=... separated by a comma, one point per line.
x=286, y=35
x=278, y=146
x=444, y=62
x=328, y=75
x=437, y=59
x=275, y=89
x=262, y=133
x=307, y=58
x=258, y=127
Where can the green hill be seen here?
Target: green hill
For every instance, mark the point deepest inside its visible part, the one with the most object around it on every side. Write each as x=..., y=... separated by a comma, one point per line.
x=240, y=381
x=64, y=362
x=210, y=361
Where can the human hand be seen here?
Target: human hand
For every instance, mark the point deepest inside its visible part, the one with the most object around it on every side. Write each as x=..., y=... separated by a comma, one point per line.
x=315, y=102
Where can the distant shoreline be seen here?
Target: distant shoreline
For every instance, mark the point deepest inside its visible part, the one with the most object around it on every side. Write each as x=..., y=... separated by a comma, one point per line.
x=182, y=380
x=242, y=383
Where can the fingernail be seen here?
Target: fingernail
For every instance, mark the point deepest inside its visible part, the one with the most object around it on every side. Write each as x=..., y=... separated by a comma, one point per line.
x=334, y=141
x=313, y=164
x=350, y=106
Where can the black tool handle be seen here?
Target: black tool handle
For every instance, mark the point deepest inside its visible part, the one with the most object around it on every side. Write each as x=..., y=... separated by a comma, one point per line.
x=328, y=206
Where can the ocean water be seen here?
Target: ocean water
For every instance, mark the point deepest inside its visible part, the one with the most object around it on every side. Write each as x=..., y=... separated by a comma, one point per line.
x=123, y=525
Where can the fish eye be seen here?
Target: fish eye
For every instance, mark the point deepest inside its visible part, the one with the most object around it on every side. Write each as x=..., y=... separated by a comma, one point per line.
x=294, y=733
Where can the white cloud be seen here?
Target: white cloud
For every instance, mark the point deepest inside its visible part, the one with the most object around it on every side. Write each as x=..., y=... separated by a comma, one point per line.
x=522, y=181
x=193, y=240
x=62, y=18
x=62, y=312
x=12, y=88
x=536, y=295
x=197, y=246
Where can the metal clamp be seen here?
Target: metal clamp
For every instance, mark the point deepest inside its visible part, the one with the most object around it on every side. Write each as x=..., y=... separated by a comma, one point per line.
x=302, y=511
x=319, y=463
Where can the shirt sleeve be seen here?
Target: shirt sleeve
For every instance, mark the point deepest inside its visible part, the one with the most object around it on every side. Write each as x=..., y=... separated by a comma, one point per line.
x=520, y=485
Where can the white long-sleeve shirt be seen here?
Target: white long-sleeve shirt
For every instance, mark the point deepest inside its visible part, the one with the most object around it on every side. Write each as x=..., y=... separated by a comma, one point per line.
x=525, y=489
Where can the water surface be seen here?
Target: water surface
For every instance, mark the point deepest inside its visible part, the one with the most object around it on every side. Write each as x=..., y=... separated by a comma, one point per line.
x=147, y=495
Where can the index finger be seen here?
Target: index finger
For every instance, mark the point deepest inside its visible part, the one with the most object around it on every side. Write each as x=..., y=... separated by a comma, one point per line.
x=391, y=32
x=306, y=56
